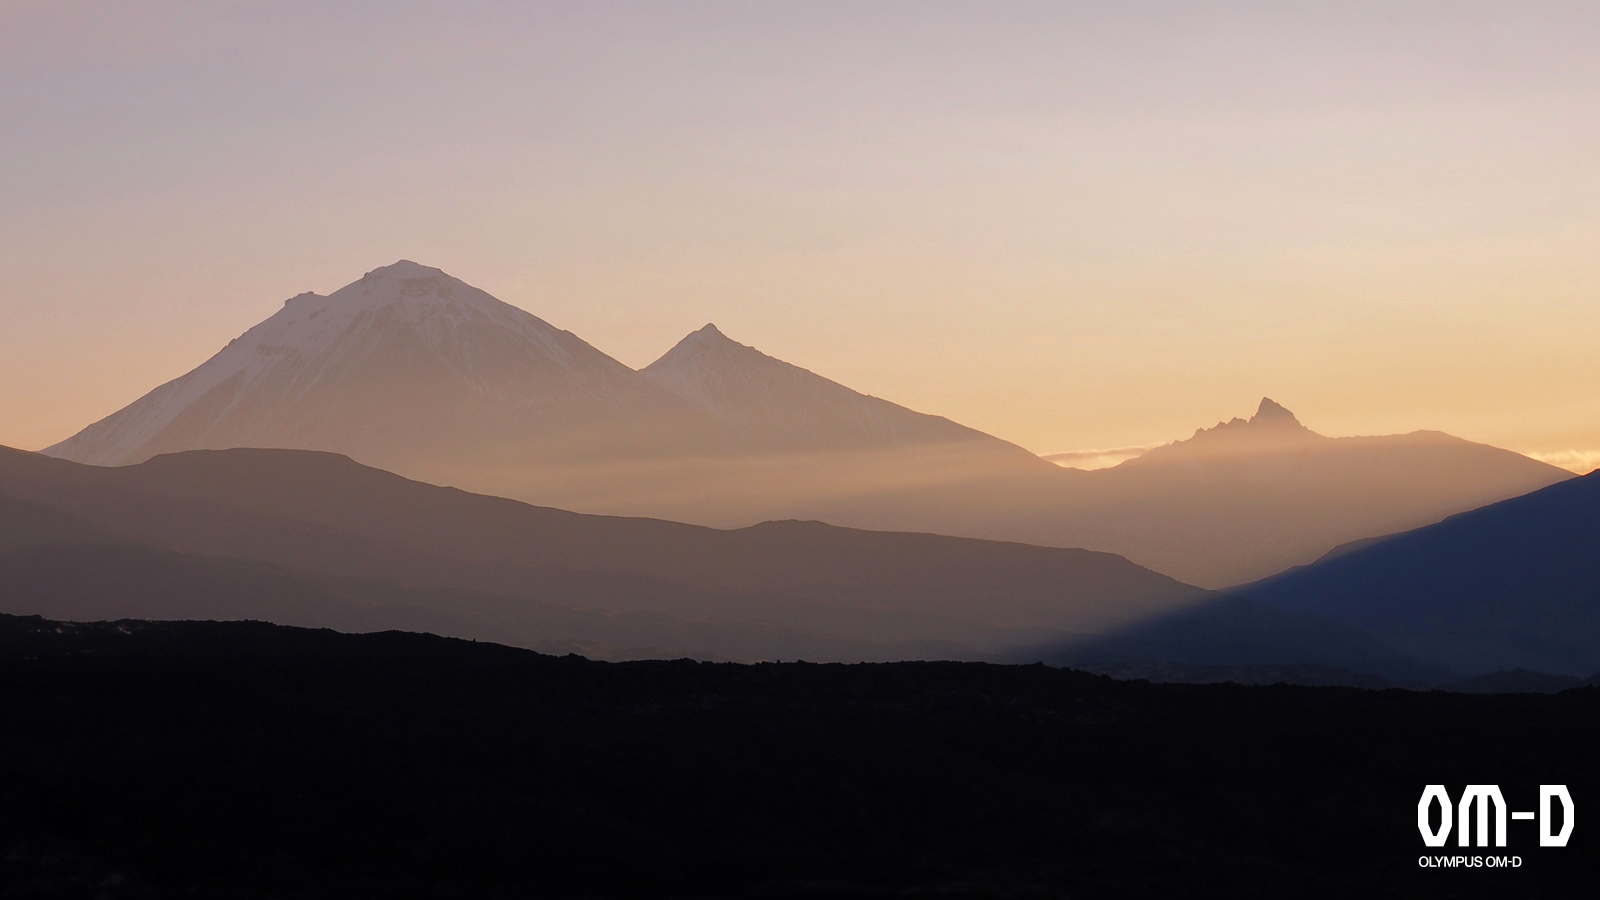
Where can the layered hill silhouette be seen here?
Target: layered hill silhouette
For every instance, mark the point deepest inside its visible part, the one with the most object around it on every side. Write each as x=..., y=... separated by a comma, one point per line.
x=414, y=371
x=78, y=573
x=1512, y=585
x=1234, y=503
x=242, y=533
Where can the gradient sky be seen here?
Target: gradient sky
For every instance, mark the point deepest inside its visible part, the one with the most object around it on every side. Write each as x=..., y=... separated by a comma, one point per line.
x=1074, y=226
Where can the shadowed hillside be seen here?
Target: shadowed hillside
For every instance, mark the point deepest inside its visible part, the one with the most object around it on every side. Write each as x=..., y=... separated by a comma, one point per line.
x=1512, y=585
x=323, y=515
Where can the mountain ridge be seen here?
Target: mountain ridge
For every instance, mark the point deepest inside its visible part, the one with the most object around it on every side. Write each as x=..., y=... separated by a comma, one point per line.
x=780, y=406
x=324, y=514
x=415, y=372
x=353, y=371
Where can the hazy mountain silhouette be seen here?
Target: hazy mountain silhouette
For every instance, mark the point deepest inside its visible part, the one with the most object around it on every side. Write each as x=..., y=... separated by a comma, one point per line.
x=419, y=373
x=1249, y=498
x=407, y=366
x=1512, y=585
x=109, y=580
x=325, y=515
x=1272, y=430
x=780, y=407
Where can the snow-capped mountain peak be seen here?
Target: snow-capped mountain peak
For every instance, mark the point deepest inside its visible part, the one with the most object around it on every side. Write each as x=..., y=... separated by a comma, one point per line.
x=406, y=344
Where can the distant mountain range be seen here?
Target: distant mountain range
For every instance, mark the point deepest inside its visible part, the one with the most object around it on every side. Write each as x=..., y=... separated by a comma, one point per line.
x=417, y=372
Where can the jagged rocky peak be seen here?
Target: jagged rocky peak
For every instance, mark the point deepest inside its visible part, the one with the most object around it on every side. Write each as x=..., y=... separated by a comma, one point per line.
x=1270, y=416
x=1273, y=427
x=1271, y=412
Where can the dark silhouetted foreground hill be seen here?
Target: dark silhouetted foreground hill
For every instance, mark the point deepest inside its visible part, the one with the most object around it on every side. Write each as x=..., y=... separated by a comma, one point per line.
x=1512, y=585
x=243, y=760
x=318, y=514
x=108, y=579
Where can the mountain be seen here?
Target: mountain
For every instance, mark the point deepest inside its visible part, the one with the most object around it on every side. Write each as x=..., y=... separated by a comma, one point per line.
x=1272, y=430
x=1252, y=497
x=1514, y=585
x=323, y=515
x=778, y=407
x=110, y=580
x=418, y=373
x=407, y=366
x=315, y=539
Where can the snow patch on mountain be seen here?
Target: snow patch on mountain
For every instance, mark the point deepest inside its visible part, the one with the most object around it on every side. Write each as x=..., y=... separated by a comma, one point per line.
x=313, y=339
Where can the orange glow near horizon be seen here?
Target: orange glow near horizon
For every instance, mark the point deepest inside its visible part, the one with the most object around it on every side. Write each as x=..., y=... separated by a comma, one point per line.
x=1071, y=229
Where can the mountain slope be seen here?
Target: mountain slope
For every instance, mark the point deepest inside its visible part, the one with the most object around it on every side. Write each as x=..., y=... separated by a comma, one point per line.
x=780, y=407
x=1236, y=632
x=406, y=365
x=121, y=580
x=1512, y=585
x=324, y=514
x=1249, y=498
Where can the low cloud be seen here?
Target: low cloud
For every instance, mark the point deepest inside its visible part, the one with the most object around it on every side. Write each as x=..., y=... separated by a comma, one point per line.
x=1581, y=461
x=1097, y=459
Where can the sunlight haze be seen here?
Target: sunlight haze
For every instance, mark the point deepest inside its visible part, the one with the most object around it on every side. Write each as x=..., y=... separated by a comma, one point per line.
x=1072, y=226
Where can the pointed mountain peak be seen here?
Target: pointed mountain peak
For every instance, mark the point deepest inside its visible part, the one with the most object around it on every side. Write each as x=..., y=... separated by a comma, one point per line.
x=404, y=268
x=1271, y=412
x=338, y=371
x=706, y=336
x=779, y=406
x=1271, y=429
x=698, y=347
